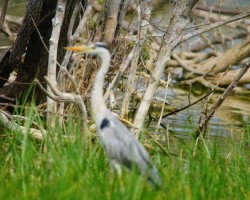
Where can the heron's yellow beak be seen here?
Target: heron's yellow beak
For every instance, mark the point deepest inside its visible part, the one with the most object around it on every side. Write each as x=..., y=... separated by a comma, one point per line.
x=78, y=48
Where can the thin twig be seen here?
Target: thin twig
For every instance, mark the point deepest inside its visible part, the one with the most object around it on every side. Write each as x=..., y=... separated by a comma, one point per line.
x=160, y=145
x=40, y=36
x=211, y=112
x=163, y=103
x=51, y=95
x=122, y=68
x=212, y=26
x=189, y=105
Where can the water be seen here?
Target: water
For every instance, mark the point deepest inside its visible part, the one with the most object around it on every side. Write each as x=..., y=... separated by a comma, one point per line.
x=227, y=122
x=229, y=118
x=15, y=8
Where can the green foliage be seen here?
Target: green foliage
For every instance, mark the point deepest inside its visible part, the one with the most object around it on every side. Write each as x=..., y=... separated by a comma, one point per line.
x=92, y=24
x=59, y=169
x=100, y=2
x=145, y=50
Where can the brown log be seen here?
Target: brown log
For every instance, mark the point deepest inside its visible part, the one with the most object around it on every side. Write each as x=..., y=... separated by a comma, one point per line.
x=111, y=22
x=230, y=57
x=225, y=78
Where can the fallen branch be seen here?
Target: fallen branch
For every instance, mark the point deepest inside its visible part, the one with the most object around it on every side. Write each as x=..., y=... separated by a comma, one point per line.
x=187, y=67
x=230, y=57
x=37, y=134
x=225, y=78
x=14, y=127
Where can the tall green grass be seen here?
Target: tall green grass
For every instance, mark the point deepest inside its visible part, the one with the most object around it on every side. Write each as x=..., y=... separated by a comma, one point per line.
x=68, y=170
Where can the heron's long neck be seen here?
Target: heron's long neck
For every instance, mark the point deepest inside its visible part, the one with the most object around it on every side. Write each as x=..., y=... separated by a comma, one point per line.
x=97, y=99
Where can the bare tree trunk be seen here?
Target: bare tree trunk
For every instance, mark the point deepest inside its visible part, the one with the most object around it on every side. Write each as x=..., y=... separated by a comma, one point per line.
x=12, y=57
x=52, y=62
x=171, y=34
x=2, y=18
x=111, y=22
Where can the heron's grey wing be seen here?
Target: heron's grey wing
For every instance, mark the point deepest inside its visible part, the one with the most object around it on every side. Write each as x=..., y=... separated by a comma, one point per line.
x=122, y=146
x=120, y=143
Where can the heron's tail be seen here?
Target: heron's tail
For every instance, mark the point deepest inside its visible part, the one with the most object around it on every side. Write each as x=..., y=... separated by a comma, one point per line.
x=154, y=178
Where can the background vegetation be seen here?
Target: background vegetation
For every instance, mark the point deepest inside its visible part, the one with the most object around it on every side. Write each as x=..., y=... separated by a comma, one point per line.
x=187, y=58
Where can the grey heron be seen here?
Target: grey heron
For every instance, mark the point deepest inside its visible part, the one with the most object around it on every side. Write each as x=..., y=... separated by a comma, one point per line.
x=120, y=145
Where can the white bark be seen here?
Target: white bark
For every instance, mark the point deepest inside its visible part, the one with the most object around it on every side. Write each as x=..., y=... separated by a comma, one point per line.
x=52, y=63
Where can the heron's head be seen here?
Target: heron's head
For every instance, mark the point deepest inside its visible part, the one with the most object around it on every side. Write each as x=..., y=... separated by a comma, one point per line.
x=97, y=48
